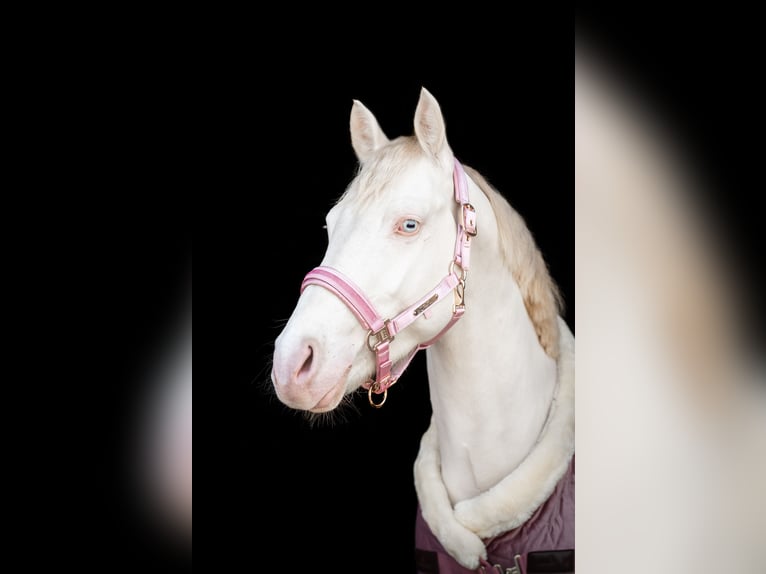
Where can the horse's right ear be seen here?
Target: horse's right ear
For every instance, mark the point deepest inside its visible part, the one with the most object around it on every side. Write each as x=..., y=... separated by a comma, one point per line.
x=366, y=135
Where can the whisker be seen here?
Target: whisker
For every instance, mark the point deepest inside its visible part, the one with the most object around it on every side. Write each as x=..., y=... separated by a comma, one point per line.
x=339, y=415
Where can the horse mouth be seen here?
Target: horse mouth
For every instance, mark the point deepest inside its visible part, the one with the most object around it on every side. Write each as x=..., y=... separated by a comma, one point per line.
x=332, y=397
x=330, y=400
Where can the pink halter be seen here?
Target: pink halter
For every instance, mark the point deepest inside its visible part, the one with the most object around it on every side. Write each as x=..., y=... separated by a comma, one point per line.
x=380, y=332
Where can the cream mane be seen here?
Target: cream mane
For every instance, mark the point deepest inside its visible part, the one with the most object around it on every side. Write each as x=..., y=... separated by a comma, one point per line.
x=522, y=256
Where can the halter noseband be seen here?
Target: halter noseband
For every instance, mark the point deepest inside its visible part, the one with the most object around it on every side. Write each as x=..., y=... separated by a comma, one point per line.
x=380, y=332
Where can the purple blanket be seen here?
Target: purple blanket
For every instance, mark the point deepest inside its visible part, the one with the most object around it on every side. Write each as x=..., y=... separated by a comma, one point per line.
x=551, y=527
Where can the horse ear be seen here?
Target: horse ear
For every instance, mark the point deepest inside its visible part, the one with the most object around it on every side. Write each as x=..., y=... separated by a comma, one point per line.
x=366, y=135
x=429, y=127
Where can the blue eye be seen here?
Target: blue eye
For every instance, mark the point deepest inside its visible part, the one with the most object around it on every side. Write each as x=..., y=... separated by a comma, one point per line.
x=409, y=226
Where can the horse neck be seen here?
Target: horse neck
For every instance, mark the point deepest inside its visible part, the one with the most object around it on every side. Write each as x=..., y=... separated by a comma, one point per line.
x=491, y=383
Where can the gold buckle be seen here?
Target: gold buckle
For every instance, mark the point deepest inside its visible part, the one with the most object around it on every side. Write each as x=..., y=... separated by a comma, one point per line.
x=472, y=230
x=459, y=296
x=463, y=272
x=381, y=336
x=459, y=290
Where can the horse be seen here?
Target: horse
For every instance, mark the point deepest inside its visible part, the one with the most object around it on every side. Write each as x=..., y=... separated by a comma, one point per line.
x=494, y=475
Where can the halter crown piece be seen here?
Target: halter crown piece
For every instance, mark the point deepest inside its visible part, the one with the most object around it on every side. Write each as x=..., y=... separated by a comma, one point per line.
x=381, y=332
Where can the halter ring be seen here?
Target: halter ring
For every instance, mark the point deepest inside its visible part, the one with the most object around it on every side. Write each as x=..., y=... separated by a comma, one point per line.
x=374, y=388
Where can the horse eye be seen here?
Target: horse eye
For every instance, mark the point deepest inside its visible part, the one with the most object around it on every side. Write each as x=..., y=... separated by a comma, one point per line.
x=409, y=226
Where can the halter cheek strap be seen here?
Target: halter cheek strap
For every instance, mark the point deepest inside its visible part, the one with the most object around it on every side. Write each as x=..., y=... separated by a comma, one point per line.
x=381, y=332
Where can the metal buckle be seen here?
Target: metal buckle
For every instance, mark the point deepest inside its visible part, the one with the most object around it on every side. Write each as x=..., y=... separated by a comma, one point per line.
x=499, y=567
x=381, y=336
x=459, y=291
x=514, y=569
x=463, y=272
x=469, y=219
x=459, y=297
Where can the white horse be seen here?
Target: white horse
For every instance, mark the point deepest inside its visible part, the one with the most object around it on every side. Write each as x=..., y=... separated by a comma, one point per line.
x=394, y=280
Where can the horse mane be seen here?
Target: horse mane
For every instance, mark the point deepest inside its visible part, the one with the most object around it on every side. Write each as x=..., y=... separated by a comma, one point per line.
x=541, y=295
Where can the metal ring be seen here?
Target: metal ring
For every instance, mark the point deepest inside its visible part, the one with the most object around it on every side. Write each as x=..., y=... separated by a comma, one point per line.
x=374, y=389
x=463, y=272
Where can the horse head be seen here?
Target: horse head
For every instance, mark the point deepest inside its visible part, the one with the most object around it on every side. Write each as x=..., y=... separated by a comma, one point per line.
x=391, y=236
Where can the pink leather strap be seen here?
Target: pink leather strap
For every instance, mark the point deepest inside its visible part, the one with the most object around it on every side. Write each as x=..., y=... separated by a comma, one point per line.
x=377, y=329
x=381, y=332
x=467, y=224
x=347, y=290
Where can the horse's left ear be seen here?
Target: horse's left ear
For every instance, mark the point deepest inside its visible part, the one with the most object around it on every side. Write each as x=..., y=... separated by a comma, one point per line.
x=366, y=135
x=430, y=129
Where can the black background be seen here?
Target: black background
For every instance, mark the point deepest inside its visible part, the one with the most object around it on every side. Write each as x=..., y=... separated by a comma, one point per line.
x=249, y=144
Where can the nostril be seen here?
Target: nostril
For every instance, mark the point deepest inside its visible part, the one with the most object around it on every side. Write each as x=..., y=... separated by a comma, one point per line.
x=304, y=371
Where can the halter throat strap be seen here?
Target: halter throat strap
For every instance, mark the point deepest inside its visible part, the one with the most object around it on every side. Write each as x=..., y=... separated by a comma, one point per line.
x=381, y=332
